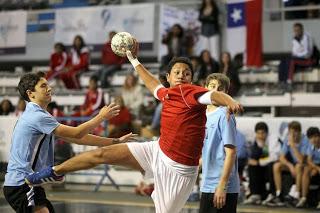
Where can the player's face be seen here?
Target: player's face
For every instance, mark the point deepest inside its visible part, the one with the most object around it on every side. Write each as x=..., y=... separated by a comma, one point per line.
x=214, y=86
x=261, y=135
x=41, y=93
x=180, y=74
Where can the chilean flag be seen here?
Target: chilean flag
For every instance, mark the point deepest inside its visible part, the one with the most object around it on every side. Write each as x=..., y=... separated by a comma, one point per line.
x=244, y=30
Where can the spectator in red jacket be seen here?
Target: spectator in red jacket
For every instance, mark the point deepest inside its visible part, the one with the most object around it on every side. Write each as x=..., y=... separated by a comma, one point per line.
x=120, y=124
x=79, y=59
x=94, y=100
x=58, y=61
x=111, y=62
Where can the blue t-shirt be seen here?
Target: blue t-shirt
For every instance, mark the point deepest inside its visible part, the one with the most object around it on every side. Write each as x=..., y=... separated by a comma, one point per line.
x=219, y=132
x=242, y=150
x=314, y=153
x=32, y=144
x=302, y=148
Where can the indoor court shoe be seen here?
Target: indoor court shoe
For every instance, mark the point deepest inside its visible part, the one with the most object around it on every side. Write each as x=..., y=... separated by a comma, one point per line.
x=44, y=176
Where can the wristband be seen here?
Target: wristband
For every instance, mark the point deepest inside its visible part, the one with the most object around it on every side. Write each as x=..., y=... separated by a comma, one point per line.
x=135, y=62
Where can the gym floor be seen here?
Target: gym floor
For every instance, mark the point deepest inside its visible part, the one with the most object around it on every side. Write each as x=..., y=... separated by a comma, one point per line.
x=81, y=199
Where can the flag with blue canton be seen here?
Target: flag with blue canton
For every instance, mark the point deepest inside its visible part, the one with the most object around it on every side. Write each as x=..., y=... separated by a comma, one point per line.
x=236, y=14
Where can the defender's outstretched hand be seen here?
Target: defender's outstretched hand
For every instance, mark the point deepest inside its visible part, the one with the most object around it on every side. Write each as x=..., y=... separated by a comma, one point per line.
x=126, y=138
x=110, y=111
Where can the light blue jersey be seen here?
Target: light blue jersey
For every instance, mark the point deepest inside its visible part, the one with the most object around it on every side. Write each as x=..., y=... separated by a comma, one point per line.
x=219, y=132
x=302, y=148
x=314, y=153
x=32, y=144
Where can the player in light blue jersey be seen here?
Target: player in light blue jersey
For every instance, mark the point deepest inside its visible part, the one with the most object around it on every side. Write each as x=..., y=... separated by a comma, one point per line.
x=220, y=179
x=311, y=172
x=32, y=146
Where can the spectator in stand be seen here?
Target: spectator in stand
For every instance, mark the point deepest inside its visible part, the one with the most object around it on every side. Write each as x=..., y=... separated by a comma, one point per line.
x=121, y=124
x=21, y=106
x=175, y=42
x=227, y=68
x=79, y=59
x=111, y=62
x=258, y=162
x=94, y=100
x=210, y=29
x=6, y=107
x=132, y=94
x=55, y=110
x=312, y=171
x=304, y=53
x=208, y=65
x=58, y=61
x=292, y=159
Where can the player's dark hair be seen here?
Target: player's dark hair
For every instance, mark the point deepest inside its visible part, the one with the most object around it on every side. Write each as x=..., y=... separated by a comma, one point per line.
x=223, y=80
x=313, y=131
x=295, y=125
x=94, y=78
x=261, y=126
x=183, y=60
x=28, y=82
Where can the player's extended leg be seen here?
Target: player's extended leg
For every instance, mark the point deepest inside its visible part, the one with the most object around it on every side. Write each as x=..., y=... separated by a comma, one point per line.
x=118, y=154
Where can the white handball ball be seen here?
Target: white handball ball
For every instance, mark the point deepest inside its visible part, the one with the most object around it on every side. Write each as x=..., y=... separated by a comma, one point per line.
x=121, y=42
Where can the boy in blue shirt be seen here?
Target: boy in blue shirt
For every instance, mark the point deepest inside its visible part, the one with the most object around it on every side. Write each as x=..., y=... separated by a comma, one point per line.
x=292, y=157
x=312, y=170
x=32, y=146
x=220, y=179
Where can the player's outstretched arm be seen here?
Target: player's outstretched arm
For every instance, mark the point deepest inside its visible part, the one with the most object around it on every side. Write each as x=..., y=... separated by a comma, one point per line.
x=148, y=79
x=94, y=140
x=223, y=99
x=80, y=131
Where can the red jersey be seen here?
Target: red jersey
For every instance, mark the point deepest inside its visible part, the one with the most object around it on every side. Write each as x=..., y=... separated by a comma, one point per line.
x=123, y=118
x=108, y=56
x=183, y=121
x=94, y=101
x=81, y=61
x=58, y=61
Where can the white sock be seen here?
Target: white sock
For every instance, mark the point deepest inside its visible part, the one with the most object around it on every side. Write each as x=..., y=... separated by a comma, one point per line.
x=278, y=192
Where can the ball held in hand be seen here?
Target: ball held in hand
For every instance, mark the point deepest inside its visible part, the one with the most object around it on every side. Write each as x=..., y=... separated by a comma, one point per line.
x=121, y=42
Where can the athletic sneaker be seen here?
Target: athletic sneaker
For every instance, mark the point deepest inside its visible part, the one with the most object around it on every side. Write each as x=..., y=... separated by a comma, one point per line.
x=318, y=206
x=302, y=202
x=268, y=199
x=44, y=176
x=276, y=202
x=253, y=199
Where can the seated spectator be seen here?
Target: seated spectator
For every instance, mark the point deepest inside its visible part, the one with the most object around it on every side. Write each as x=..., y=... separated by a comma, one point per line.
x=58, y=61
x=292, y=160
x=111, y=62
x=132, y=94
x=121, y=124
x=227, y=68
x=94, y=100
x=196, y=67
x=79, y=59
x=55, y=110
x=6, y=107
x=312, y=171
x=175, y=42
x=21, y=106
x=208, y=65
x=304, y=54
x=257, y=165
